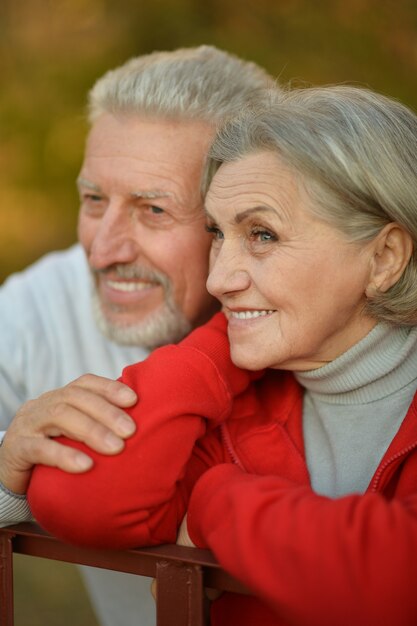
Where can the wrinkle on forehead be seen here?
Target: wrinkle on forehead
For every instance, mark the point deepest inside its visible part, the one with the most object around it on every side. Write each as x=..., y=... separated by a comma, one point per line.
x=259, y=181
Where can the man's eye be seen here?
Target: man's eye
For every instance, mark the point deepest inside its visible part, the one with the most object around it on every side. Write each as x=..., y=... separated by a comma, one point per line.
x=93, y=204
x=92, y=197
x=156, y=210
x=216, y=232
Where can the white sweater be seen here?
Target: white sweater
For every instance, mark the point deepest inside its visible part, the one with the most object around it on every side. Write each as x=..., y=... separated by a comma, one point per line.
x=48, y=337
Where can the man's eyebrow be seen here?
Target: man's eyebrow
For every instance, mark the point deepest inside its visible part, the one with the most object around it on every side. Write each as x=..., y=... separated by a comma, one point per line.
x=83, y=182
x=151, y=195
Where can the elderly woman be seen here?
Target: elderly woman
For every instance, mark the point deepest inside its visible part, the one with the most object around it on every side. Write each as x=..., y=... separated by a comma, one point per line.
x=299, y=470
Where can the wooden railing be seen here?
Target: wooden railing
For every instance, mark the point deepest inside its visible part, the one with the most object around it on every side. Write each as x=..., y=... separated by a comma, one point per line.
x=181, y=573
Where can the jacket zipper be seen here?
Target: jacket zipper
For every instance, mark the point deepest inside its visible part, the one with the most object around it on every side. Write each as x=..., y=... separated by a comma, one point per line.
x=229, y=446
x=381, y=469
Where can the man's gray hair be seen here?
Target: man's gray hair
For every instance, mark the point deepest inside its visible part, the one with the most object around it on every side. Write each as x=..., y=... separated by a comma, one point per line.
x=355, y=152
x=201, y=83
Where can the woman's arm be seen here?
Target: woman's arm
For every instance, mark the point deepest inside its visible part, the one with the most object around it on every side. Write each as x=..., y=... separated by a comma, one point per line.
x=137, y=497
x=317, y=561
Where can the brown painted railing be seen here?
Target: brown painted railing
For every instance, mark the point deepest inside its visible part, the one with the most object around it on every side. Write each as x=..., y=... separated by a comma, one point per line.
x=181, y=573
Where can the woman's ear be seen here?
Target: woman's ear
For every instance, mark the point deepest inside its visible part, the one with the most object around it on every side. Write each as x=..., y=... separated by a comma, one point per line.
x=392, y=249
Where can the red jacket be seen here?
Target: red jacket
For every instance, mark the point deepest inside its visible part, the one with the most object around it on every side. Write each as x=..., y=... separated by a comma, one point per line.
x=227, y=445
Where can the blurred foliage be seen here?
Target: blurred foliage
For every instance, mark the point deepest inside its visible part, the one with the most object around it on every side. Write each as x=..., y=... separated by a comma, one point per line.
x=51, y=51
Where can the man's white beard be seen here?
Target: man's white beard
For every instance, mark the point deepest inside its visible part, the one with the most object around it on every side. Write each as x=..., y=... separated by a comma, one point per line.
x=167, y=324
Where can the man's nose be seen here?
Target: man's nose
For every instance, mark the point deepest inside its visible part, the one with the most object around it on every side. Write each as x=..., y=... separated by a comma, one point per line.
x=227, y=274
x=115, y=240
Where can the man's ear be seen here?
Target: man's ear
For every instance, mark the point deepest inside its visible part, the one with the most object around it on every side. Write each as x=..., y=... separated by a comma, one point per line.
x=392, y=249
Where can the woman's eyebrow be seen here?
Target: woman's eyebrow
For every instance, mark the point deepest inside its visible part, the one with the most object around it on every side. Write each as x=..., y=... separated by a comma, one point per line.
x=240, y=217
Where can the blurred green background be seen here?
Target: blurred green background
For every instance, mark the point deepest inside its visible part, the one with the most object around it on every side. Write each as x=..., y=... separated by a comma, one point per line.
x=51, y=51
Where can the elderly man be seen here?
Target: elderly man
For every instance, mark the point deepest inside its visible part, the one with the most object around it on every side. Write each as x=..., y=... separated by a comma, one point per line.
x=137, y=280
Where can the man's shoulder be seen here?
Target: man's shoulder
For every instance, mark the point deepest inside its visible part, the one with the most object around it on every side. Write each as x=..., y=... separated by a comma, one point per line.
x=55, y=271
x=69, y=262
x=55, y=286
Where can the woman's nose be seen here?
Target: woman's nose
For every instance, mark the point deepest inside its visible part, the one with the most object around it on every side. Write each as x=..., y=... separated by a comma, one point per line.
x=227, y=273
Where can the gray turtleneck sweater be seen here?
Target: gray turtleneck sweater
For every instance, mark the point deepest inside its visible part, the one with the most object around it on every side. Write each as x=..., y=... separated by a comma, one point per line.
x=354, y=406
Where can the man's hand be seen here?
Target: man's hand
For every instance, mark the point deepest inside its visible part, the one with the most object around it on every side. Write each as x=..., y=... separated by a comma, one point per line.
x=90, y=410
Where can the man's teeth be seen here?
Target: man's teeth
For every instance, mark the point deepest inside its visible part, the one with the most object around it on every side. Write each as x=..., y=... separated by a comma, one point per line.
x=248, y=315
x=128, y=286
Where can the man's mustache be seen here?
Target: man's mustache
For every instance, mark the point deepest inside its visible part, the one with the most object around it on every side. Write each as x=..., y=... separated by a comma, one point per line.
x=137, y=272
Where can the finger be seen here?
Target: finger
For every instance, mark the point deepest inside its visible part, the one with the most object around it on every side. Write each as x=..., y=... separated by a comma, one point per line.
x=43, y=451
x=93, y=406
x=212, y=594
x=115, y=391
x=79, y=426
x=154, y=587
x=15, y=474
x=183, y=538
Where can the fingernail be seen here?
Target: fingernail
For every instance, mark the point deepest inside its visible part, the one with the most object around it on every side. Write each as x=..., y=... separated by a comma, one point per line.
x=127, y=394
x=112, y=442
x=83, y=462
x=125, y=426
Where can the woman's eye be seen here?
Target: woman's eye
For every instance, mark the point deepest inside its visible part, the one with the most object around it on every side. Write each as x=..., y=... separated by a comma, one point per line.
x=216, y=232
x=262, y=235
